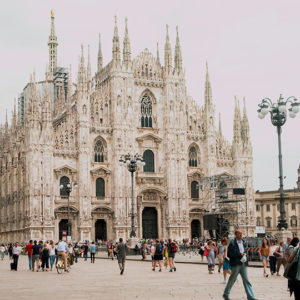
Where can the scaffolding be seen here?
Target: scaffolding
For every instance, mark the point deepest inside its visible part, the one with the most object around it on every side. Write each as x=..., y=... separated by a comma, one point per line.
x=224, y=199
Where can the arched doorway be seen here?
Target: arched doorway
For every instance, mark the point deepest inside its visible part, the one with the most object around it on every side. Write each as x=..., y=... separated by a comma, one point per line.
x=100, y=230
x=195, y=229
x=63, y=228
x=149, y=223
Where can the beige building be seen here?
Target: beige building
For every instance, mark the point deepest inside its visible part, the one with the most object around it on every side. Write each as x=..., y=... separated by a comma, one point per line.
x=65, y=132
x=268, y=209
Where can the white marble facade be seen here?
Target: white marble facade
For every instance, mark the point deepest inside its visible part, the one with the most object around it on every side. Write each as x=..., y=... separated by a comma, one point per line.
x=57, y=134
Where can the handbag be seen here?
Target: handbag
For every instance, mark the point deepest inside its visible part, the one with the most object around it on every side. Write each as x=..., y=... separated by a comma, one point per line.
x=291, y=270
x=205, y=252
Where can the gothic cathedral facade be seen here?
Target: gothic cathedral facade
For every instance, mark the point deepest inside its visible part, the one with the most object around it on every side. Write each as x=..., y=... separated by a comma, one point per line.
x=64, y=132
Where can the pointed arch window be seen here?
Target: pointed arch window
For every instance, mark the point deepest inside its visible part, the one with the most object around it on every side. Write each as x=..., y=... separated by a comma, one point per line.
x=195, y=190
x=146, y=111
x=99, y=152
x=64, y=181
x=193, y=157
x=148, y=157
x=100, y=187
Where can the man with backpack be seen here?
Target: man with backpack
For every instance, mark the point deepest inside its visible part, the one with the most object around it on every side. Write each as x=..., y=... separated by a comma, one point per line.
x=172, y=249
x=158, y=254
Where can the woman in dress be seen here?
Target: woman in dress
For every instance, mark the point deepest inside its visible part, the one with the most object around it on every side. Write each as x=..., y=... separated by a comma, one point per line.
x=226, y=265
x=264, y=252
x=211, y=251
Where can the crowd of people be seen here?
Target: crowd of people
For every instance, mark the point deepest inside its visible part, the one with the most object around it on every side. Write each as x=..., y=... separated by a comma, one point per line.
x=232, y=257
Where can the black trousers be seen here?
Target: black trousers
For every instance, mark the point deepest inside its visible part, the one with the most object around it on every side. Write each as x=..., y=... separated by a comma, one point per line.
x=92, y=257
x=45, y=262
x=272, y=264
x=16, y=259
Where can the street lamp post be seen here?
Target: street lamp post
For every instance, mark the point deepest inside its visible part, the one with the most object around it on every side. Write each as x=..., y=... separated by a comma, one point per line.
x=132, y=163
x=278, y=112
x=68, y=188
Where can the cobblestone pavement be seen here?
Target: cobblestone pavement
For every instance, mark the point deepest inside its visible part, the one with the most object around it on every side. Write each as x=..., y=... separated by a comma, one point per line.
x=102, y=280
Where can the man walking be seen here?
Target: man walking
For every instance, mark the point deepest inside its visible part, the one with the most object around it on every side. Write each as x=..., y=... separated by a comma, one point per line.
x=29, y=252
x=62, y=247
x=121, y=254
x=238, y=262
x=93, y=251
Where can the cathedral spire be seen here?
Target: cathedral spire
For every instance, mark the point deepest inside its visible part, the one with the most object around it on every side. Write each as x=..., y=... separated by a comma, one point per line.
x=116, y=44
x=178, y=56
x=81, y=77
x=126, y=46
x=207, y=93
x=220, y=125
x=100, y=59
x=89, y=70
x=6, y=123
x=69, y=92
x=245, y=124
x=168, y=52
x=237, y=123
x=52, y=44
x=157, y=55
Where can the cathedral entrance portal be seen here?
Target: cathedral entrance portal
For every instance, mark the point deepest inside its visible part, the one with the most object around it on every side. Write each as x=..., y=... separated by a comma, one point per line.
x=149, y=223
x=195, y=229
x=63, y=228
x=100, y=230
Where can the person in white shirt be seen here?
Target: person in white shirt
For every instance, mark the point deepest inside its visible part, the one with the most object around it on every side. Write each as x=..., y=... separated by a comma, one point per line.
x=16, y=251
x=62, y=247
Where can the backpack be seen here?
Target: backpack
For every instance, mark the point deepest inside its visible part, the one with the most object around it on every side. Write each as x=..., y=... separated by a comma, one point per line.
x=173, y=248
x=158, y=250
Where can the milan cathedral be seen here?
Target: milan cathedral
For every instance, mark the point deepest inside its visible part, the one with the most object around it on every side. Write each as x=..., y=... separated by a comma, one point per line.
x=65, y=132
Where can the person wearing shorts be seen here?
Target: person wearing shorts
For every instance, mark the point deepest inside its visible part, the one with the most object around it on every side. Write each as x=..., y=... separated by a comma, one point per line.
x=264, y=252
x=158, y=254
x=172, y=249
x=35, y=250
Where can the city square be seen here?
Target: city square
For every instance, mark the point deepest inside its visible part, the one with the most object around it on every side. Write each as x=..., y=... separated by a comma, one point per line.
x=102, y=280
x=161, y=132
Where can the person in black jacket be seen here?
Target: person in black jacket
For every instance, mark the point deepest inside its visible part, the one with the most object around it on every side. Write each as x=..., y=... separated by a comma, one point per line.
x=239, y=263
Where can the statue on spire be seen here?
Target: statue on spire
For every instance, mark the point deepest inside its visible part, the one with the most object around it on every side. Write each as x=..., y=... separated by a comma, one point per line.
x=52, y=44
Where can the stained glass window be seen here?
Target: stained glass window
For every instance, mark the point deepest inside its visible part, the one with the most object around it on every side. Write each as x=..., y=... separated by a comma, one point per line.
x=99, y=152
x=146, y=111
x=193, y=157
x=100, y=187
x=148, y=157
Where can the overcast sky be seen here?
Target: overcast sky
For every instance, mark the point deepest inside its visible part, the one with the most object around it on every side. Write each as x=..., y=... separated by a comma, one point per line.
x=252, y=49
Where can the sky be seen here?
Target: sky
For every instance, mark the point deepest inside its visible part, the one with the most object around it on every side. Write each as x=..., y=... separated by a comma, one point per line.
x=252, y=49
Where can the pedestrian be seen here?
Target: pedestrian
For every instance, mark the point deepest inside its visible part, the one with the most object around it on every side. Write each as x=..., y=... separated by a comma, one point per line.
x=45, y=253
x=121, y=255
x=93, y=252
x=28, y=249
x=2, y=252
x=272, y=257
x=201, y=249
x=71, y=254
x=51, y=247
x=290, y=249
x=211, y=255
x=16, y=251
x=158, y=255
x=62, y=247
x=35, y=256
x=172, y=249
x=76, y=252
x=111, y=251
x=226, y=265
x=85, y=251
x=264, y=251
x=10, y=253
x=279, y=257
x=221, y=250
x=294, y=284
x=239, y=263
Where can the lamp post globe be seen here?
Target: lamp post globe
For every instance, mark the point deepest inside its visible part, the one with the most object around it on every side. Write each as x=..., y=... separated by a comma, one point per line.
x=132, y=162
x=278, y=113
